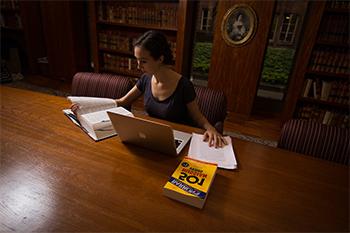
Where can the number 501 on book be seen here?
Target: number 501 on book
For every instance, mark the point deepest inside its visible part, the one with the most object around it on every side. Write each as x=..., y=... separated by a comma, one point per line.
x=191, y=181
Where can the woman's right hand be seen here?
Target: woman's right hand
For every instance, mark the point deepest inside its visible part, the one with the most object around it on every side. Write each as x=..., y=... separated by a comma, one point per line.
x=75, y=108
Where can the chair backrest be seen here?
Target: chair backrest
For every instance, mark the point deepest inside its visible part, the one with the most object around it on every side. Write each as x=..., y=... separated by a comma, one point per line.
x=315, y=139
x=213, y=106
x=100, y=85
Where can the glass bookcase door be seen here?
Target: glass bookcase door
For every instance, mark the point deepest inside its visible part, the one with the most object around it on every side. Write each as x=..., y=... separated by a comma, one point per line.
x=284, y=36
x=203, y=41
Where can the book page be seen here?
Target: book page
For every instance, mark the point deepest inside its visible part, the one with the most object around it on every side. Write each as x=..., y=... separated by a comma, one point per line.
x=224, y=157
x=91, y=104
x=71, y=116
x=100, y=119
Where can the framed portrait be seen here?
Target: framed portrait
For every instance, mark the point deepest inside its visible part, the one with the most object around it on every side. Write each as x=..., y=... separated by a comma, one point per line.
x=239, y=25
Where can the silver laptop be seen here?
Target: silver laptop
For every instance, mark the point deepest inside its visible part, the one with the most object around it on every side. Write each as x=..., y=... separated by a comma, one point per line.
x=149, y=134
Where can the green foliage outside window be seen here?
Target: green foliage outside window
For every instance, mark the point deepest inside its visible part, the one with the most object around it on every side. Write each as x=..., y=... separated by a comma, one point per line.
x=202, y=56
x=277, y=65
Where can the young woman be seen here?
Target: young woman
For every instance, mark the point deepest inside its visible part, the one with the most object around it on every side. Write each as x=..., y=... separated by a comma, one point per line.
x=167, y=95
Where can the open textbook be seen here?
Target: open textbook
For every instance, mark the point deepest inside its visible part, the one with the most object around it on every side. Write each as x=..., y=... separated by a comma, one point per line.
x=224, y=157
x=92, y=115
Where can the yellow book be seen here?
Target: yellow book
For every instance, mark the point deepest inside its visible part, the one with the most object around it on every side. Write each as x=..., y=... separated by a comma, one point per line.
x=191, y=181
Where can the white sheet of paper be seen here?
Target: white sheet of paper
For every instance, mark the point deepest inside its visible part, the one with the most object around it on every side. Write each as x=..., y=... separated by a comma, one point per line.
x=224, y=157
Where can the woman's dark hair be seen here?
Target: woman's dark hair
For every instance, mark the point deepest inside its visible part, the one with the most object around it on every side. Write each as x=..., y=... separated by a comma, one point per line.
x=156, y=43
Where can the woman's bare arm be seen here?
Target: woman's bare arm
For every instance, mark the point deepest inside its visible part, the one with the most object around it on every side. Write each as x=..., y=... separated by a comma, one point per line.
x=211, y=135
x=129, y=98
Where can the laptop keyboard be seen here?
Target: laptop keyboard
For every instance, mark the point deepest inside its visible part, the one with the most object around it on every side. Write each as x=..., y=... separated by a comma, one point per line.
x=177, y=142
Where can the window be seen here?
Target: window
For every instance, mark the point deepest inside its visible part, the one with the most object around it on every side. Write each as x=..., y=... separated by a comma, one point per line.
x=280, y=56
x=288, y=28
x=203, y=40
x=274, y=27
x=205, y=19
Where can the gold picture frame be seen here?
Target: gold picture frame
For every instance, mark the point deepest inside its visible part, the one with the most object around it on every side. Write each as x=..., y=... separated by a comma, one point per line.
x=239, y=25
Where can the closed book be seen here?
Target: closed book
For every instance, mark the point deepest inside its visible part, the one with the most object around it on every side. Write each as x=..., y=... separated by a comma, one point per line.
x=191, y=181
x=326, y=117
x=325, y=91
x=307, y=85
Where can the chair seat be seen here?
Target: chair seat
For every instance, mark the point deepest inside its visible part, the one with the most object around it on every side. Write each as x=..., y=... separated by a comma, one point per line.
x=315, y=139
x=213, y=105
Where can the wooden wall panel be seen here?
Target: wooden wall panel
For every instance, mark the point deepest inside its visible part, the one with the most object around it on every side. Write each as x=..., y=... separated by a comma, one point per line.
x=183, y=41
x=57, y=29
x=65, y=37
x=236, y=70
x=93, y=35
x=33, y=34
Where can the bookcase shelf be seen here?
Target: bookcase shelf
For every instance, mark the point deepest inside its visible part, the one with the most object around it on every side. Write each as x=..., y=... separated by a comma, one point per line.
x=325, y=103
x=115, y=25
x=108, y=50
x=324, y=70
x=11, y=29
x=333, y=43
x=11, y=15
x=122, y=72
x=328, y=74
x=9, y=10
x=142, y=26
x=337, y=11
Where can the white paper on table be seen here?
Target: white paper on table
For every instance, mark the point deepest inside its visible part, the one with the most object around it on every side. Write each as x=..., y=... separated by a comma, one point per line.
x=224, y=156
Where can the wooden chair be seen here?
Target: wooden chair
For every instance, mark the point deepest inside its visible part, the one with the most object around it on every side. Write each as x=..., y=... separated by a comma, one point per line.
x=100, y=85
x=315, y=139
x=213, y=106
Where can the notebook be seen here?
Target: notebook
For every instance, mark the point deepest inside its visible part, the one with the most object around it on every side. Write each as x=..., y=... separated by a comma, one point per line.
x=149, y=134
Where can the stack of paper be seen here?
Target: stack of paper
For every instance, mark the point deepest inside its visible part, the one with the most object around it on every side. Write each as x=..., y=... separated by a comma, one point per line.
x=224, y=156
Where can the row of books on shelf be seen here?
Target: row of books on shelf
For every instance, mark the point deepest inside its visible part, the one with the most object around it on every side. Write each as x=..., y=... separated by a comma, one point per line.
x=334, y=28
x=9, y=4
x=332, y=60
x=121, y=41
x=116, y=40
x=160, y=14
x=117, y=63
x=330, y=91
x=324, y=116
x=338, y=4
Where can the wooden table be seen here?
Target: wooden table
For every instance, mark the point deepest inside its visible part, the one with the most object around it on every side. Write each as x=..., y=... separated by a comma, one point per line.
x=53, y=177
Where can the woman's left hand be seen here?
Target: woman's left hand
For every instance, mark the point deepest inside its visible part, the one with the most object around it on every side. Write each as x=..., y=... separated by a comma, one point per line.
x=214, y=138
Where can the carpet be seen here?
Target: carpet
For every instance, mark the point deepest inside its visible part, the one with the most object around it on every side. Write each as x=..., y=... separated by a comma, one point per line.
x=24, y=85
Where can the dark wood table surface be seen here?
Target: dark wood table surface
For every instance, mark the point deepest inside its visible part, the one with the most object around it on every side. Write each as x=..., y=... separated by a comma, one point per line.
x=53, y=177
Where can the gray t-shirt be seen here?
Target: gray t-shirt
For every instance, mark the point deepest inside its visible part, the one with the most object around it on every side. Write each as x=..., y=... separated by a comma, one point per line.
x=174, y=107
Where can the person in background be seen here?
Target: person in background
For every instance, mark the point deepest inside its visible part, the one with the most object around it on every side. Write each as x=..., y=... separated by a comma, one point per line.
x=239, y=30
x=167, y=94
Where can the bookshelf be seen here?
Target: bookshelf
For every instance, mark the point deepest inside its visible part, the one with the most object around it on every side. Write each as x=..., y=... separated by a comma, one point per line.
x=10, y=15
x=115, y=25
x=12, y=39
x=324, y=92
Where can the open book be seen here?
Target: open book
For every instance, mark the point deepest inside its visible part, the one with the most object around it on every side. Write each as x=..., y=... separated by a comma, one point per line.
x=224, y=157
x=92, y=115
